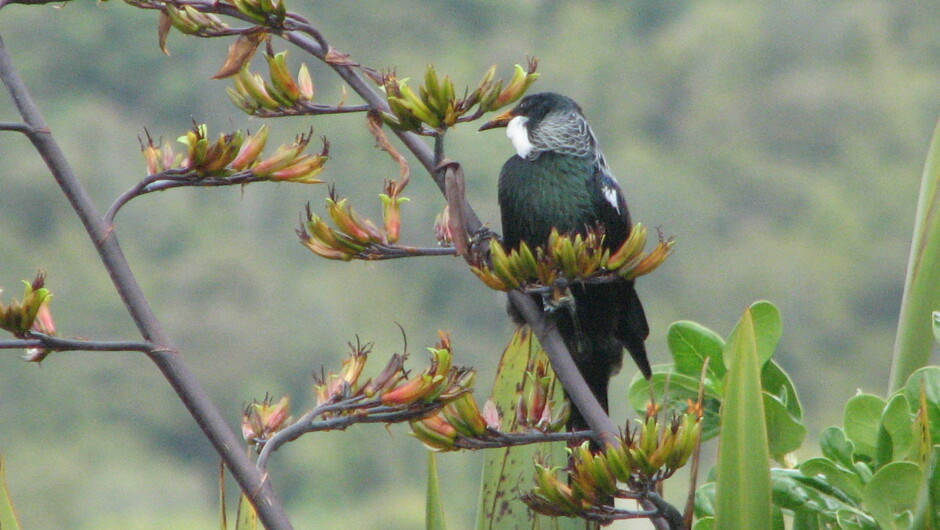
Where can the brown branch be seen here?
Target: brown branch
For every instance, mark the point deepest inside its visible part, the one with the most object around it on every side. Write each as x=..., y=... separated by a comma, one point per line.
x=30, y=2
x=15, y=127
x=165, y=356
x=496, y=440
x=303, y=108
x=373, y=412
x=38, y=340
x=178, y=178
x=376, y=252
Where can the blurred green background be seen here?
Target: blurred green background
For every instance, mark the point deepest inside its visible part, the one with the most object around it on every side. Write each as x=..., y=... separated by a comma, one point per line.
x=781, y=143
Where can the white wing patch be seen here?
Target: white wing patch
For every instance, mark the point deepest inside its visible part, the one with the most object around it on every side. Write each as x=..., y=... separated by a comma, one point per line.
x=518, y=134
x=610, y=193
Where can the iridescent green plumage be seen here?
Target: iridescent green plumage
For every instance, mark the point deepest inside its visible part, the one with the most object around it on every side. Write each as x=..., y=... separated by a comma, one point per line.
x=559, y=179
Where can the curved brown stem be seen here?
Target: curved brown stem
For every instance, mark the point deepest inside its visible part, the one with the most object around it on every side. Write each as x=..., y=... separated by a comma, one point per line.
x=165, y=356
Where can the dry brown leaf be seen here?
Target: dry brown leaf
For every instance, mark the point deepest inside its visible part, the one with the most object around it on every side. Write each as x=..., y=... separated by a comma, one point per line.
x=240, y=52
x=381, y=140
x=339, y=58
x=454, y=191
x=163, y=29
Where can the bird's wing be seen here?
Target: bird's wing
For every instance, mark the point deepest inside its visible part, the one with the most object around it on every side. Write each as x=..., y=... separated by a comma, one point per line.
x=613, y=213
x=631, y=327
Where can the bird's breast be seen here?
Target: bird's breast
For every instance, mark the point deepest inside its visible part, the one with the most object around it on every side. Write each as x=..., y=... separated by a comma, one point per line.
x=548, y=192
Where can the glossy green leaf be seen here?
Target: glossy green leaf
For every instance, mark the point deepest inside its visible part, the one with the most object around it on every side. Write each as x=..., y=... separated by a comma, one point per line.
x=936, y=325
x=784, y=433
x=434, y=507
x=777, y=382
x=813, y=500
x=929, y=377
x=836, y=476
x=706, y=523
x=705, y=500
x=927, y=514
x=767, y=326
x=508, y=472
x=862, y=419
x=681, y=389
x=691, y=343
x=897, y=421
x=742, y=497
x=8, y=518
x=912, y=346
x=247, y=518
x=836, y=447
x=848, y=520
x=891, y=495
x=805, y=520
x=777, y=519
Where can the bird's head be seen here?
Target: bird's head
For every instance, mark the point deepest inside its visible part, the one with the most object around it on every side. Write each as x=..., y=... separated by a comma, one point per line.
x=545, y=122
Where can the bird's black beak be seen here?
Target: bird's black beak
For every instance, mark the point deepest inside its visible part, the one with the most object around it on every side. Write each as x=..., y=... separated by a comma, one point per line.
x=499, y=121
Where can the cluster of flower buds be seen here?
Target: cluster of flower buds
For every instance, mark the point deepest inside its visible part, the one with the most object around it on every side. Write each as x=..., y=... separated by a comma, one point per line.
x=280, y=92
x=436, y=105
x=353, y=234
x=261, y=10
x=442, y=230
x=441, y=381
x=235, y=153
x=263, y=419
x=646, y=454
x=190, y=21
x=657, y=448
x=575, y=257
x=459, y=418
x=535, y=408
x=462, y=418
x=32, y=314
x=391, y=210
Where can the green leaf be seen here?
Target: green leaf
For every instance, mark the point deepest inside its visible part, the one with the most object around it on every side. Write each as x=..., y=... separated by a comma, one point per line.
x=936, y=326
x=777, y=516
x=247, y=518
x=681, y=389
x=814, y=501
x=927, y=514
x=705, y=500
x=897, y=421
x=836, y=476
x=8, y=518
x=891, y=495
x=849, y=520
x=434, y=508
x=775, y=381
x=705, y=523
x=805, y=520
x=836, y=447
x=743, y=490
x=930, y=378
x=912, y=347
x=691, y=343
x=767, y=328
x=862, y=419
x=784, y=432
x=509, y=472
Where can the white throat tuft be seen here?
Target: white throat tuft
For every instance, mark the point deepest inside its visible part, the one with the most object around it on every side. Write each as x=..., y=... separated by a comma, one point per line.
x=518, y=134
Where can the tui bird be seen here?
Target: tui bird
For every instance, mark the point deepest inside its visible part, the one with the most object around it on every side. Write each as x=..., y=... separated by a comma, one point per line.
x=559, y=179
